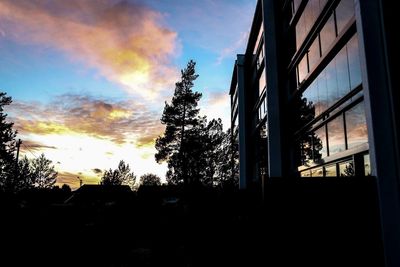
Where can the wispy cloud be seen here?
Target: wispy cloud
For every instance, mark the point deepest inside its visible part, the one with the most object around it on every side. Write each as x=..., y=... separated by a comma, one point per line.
x=233, y=49
x=125, y=41
x=215, y=103
x=119, y=122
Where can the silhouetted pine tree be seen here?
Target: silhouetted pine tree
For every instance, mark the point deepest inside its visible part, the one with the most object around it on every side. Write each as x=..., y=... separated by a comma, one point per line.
x=180, y=117
x=7, y=145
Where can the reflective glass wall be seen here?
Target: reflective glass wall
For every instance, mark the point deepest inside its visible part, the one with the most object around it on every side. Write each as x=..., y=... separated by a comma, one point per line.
x=331, y=131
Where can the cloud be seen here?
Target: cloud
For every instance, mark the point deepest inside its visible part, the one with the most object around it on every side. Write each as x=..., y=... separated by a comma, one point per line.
x=120, y=122
x=71, y=179
x=124, y=41
x=215, y=106
x=34, y=146
x=97, y=171
x=233, y=49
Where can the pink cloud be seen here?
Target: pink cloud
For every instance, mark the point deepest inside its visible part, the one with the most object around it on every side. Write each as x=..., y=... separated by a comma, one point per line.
x=124, y=41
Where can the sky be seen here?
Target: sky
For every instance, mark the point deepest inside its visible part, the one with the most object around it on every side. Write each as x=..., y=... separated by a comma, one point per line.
x=89, y=78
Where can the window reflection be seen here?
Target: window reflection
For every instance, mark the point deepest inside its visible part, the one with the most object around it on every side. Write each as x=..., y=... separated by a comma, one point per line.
x=328, y=34
x=356, y=126
x=336, y=139
x=344, y=12
x=317, y=172
x=354, y=62
x=346, y=168
x=259, y=36
x=307, y=19
x=367, y=165
x=302, y=69
x=319, y=142
x=262, y=82
x=342, y=73
x=330, y=171
x=337, y=79
x=313, y=53
x=331, y=83
x=306, y=173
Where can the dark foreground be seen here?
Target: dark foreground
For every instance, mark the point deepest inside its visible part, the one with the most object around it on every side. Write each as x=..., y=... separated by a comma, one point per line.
x=307, y=223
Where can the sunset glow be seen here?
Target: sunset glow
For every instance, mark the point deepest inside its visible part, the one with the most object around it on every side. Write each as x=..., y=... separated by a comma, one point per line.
x=89, y=79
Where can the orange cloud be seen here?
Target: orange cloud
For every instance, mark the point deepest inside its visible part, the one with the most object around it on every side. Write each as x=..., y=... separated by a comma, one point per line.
x=119, y=122
x=124, y=41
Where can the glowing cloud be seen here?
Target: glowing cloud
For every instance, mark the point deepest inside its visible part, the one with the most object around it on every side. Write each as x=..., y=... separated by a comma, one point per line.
x=124, y=41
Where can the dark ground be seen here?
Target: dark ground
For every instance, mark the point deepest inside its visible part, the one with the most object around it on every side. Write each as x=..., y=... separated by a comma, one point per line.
x=307, y=223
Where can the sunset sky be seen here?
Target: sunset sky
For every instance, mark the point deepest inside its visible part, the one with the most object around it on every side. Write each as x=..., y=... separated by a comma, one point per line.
x=89, y=78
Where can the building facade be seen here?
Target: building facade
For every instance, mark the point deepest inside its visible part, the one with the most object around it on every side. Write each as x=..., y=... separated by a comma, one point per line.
x=314, y=95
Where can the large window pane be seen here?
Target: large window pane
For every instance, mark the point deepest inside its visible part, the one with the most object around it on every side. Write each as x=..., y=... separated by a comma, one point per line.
x=327, y=34
x=346, y=168
x=311, y=95
x=344, y=12
x=262, y=82
x=354, y=62
x=317, y=172
x=300, y=31
x=342, y=73
x=319, y=141
x=303, y=69
x=356, y=126
x=331, y=83
x=330, y=171
x=336, y=135
x=322, y=92
x=367, y=165
x=313, y=53
x=260, y=33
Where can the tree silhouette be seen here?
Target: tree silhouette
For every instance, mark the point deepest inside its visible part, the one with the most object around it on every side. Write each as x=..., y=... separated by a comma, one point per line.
x=43, y=173
x=7, y=145
x=24, y=178
x=119, y=176
x=228, y=161
x=150, y=179
x=214, y=154
x=180, y=118
x=66, y=188
x=348, y=170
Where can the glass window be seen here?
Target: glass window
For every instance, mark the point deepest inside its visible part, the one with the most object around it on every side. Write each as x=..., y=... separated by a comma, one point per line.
x=317, y=172
x=313, y=53
x=322, y=4
x=331, y=83
x=262, y=82
x=319, y=141
x=367, y=165
x=260, y=33
x=305, y=173
x=336, y=135
x=346, y=168
x=260, y=57
x=311, y=13
x=311, y=98
x=354, y=62
x=356, y=126
x=322, y=92
x=342, y=73
x=302, y=69
x=327, y=35
x=300, y=31
x=344, y=12
x=330, y=171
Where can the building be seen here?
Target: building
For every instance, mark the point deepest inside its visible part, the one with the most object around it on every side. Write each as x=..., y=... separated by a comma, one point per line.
x=314, y=95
